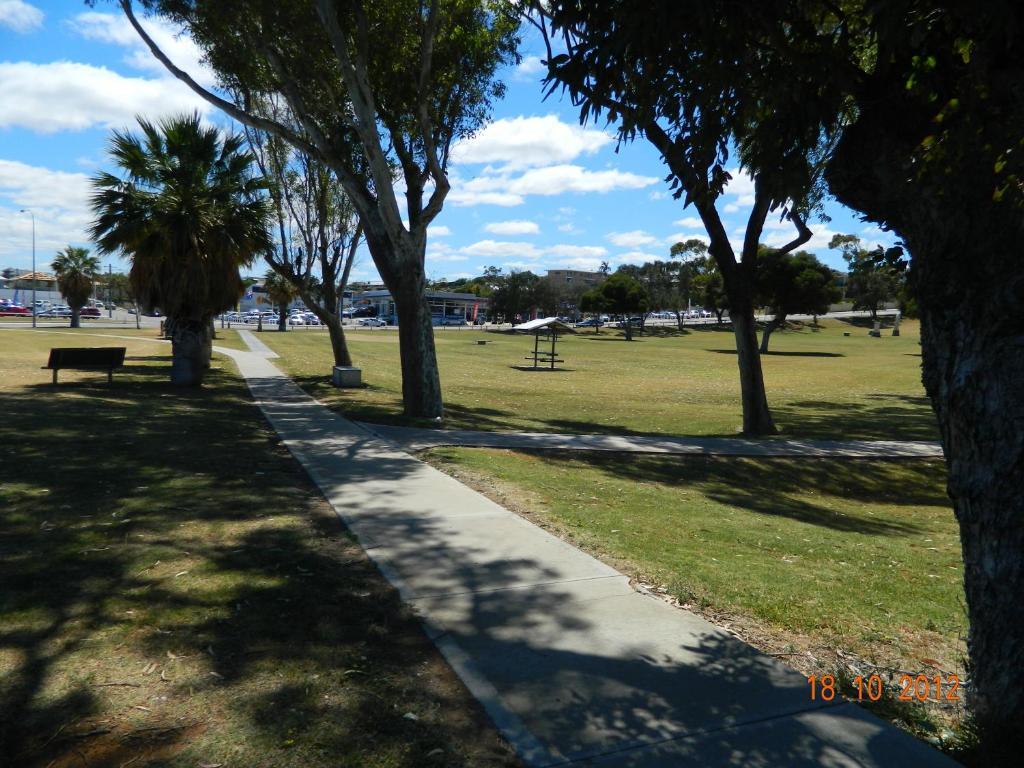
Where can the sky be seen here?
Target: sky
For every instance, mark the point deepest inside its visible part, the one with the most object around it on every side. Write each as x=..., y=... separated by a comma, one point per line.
x=531, y=190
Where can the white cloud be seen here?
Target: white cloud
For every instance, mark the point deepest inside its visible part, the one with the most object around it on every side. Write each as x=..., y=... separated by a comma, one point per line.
x=569, y=228
x=438, y=231
x=498, y=249
x=20, y=16
x=530, y=68
x=657, y=194
x=64, y=95
x=731, y=208
x=60, y=202
x=740, y=187
x=690, y=222
x=509, y=190
x=515, y=227
x=633, y=239
x=525, y=142
x=465, y=196
x=576, y=251
x=117, y=30
x=558, y=179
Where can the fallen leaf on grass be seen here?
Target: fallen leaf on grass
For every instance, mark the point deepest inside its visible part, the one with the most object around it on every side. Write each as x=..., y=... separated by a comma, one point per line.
x=144, y=709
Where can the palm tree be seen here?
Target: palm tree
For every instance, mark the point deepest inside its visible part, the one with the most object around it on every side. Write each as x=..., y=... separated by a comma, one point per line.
x=282, y=293
x=76, y=272
x=189, y=212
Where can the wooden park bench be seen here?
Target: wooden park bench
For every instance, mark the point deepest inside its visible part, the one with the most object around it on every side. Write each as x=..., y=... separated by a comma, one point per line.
x=86, y=359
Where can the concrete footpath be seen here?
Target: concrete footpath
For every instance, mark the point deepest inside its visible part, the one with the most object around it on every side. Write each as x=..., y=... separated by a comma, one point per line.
x=572, y=664
x=416, y=439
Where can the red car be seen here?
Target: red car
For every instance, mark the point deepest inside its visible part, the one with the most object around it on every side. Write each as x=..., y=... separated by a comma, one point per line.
x=13, y=310
x=90, y=312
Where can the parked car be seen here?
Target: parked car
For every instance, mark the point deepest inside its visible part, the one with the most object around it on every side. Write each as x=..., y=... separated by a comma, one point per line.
x=589, y=323
x=90, y=312
x=373, y=322
x=296, y=320
x=14, y=310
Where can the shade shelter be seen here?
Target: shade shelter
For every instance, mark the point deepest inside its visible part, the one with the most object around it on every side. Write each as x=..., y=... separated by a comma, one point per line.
x=548, y=327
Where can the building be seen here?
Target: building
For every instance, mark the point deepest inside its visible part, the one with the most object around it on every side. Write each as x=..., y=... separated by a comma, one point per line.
x=43, y=281
x=445, y=308
x=575, y=277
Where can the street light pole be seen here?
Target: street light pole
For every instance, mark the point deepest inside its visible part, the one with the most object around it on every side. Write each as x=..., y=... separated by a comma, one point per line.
x=110, y=303
x=34, y=277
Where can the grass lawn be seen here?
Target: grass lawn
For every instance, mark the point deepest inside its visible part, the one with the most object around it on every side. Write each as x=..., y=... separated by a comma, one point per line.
x=175, y=592
x=820, y=383
x=801, y=557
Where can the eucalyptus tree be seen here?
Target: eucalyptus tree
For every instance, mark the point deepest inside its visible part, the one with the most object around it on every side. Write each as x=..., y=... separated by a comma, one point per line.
x=318, y=230
x=76, y=273
x=792, y=283
x=670, y=82
x=186, y=208
x=382, y=89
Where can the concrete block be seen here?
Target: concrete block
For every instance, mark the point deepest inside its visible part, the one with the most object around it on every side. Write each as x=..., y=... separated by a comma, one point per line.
x=347, y=376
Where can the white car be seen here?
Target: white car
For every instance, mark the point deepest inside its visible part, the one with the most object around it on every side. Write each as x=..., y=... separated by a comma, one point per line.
x=296, y=320
x=373, y=322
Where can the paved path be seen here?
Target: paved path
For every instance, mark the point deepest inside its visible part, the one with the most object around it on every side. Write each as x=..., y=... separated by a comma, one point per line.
x=257, y=346
x=572, y=664
x=414, y=439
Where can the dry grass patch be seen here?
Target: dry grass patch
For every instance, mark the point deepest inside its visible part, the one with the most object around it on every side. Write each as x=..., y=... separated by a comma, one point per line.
x=176, y=592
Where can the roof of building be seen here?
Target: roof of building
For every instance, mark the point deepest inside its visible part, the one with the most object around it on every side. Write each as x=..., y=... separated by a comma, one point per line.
x=430, y=295
x=42, y=277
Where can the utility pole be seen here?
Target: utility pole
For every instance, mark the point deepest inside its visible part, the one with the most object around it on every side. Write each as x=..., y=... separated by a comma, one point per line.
x=110, y=303
x=34, y=276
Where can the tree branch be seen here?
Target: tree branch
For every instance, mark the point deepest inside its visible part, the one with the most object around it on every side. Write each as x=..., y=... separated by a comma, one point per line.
x=803, y=233
x=226, y=106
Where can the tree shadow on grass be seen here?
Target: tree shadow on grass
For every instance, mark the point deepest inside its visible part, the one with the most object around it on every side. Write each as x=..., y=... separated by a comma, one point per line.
x=772, y=353
x=880, y=416
x=780, y=487
x=146, y=527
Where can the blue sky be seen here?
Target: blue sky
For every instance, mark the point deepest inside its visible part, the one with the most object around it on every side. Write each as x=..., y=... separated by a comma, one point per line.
x=533, y=190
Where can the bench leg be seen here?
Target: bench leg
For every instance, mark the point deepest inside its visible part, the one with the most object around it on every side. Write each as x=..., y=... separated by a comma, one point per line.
x=55, y=375
x=110, y=376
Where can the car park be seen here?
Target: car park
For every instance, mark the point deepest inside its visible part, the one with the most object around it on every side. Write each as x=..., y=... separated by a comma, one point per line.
x=14, y=310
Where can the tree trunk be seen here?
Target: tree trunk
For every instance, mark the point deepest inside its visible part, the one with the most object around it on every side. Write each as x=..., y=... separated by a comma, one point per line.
x=421, y=382
x=968, y=280
x=75, y=317
x=770, y=327
x=191, y=349
x=282, y=316
x=338, y=344
x=757, y=419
